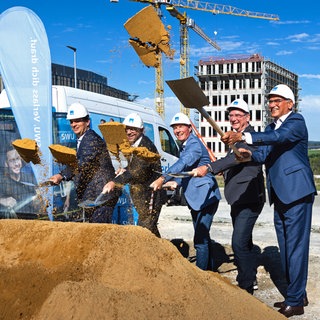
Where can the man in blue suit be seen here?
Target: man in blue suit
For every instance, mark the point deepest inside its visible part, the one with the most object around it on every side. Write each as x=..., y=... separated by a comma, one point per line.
x=202, y=194
x=291, y=189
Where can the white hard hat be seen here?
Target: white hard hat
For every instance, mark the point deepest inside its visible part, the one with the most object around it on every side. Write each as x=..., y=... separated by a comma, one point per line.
x=180, y=118
x=133, y=120
x=77, y=111
x=283, y=91
x=238, y=104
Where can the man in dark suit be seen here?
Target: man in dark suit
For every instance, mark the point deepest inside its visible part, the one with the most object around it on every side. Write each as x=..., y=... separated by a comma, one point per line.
x=245, y=192
x=291, y=188
x=94, y=169
x=139, y=173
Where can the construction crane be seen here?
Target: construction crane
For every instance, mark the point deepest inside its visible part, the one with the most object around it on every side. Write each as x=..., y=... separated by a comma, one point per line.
x=211, y=7
x=185, y=24
x=200, y=6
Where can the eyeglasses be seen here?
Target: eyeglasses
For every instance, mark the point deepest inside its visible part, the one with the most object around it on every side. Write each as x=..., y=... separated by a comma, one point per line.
x=132, y=129
x=276, y=101
x=237, y=115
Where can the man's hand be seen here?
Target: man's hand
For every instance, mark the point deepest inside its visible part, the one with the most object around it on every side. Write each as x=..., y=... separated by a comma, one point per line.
x=108, y=187
x=231, y=137
x=171, y=185
x=8, y=202
x=57, y=178
x=245, y=155
x=157, y=184
x=200, y=171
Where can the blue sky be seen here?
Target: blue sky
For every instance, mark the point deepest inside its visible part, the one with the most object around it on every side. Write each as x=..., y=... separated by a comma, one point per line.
x=96, y=29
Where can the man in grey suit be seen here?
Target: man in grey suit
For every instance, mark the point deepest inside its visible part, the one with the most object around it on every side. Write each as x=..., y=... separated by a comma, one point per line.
x=202, y=195
x=284, y=150
x=245, y=192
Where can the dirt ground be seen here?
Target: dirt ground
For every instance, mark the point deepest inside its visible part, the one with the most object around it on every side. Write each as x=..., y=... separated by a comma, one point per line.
x=271, y=284
x=58, y=270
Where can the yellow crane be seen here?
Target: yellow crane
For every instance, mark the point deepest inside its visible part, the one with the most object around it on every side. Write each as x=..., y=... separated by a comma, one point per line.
x=194, y=5
x=185, y=24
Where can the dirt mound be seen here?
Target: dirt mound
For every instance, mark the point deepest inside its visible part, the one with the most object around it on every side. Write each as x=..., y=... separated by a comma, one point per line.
x=56, y=270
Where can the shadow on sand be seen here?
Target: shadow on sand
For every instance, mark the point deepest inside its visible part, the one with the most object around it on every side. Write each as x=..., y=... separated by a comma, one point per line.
x=268, y=258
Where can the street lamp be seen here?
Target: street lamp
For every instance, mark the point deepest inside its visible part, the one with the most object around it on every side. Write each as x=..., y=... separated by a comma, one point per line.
x=74, y=64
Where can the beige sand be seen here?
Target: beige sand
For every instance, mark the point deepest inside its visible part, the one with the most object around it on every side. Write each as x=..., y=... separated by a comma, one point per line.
x=63, y=155
x=115, y=136
x=28, y=150
x=56, y=270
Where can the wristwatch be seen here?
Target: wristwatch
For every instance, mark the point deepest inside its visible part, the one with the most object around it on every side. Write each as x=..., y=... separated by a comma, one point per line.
x=209, y=169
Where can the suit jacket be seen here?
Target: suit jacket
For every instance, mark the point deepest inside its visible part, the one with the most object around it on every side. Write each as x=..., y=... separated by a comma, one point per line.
x=95, y=167
x=199, y=192
x=285, y=154
x=244, y=182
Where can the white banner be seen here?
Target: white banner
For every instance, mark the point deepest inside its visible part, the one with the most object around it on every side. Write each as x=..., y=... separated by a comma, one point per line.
x=25, y=66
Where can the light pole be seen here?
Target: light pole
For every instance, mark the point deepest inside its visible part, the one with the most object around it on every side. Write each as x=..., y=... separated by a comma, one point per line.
x=74, y=64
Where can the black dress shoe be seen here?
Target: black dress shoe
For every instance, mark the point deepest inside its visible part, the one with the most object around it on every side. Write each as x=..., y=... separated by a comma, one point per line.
x=289, y=311
x=282, y=304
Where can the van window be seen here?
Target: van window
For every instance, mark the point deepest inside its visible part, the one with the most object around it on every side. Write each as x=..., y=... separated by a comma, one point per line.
x=148, y=131
x=168, y=145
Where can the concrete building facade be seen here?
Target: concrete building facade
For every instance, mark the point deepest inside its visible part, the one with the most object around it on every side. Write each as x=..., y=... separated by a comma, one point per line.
x=250, y=77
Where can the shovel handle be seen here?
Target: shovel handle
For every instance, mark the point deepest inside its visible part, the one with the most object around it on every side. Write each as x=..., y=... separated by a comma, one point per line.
x=206, y=115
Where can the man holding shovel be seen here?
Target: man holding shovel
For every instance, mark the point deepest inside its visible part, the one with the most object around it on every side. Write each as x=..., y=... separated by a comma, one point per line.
x=139, y=173
x=245, y=192
x=202, y=195
x=94, y=167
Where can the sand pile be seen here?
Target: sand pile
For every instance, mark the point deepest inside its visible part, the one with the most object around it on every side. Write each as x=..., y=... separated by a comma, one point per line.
x=56, y=270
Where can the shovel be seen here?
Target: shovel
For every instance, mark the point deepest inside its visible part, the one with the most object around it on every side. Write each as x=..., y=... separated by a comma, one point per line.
x=183, y=174
x=47, y=183
x=94, y=203
x=99, y=199
x=191, y=96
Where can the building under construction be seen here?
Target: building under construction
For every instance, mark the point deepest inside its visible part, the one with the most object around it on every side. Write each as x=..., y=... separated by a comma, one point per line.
x=250, y=77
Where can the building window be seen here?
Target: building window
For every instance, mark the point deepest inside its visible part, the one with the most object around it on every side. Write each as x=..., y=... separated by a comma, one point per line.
x=258, y=115
x=214, y=101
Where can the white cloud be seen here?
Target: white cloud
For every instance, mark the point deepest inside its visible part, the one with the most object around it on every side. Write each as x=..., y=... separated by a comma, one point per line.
x=298, y=37
x=271, y=43
x=291, y=22
x=283, y=53
x=310, y=76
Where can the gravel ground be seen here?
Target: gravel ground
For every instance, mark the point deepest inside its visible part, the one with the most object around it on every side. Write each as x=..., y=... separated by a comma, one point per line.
x=175, y=225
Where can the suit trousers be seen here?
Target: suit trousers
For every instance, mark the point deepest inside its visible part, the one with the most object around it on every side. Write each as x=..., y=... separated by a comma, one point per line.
x=202, y=221
x=101, y=214
x=293, y=226
x=244, y=218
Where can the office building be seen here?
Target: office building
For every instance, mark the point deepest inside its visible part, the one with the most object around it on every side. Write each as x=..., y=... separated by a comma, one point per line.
x=250, y=77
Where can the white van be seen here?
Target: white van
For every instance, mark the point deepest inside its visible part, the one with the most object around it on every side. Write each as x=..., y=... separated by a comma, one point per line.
x=100, y=107
x=106, y=108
